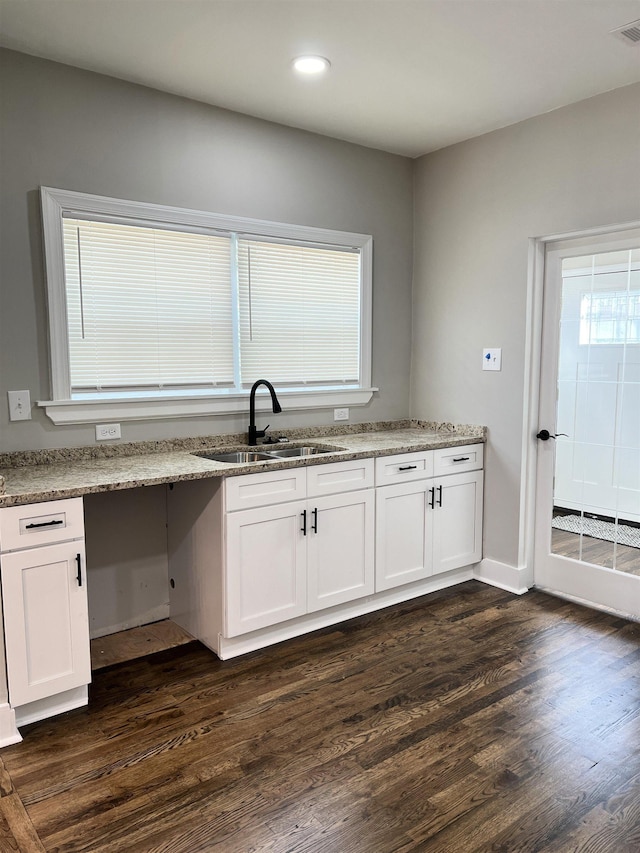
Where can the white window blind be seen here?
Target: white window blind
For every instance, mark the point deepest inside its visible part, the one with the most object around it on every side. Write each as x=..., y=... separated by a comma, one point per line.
x=147, y=307
x=299, y=313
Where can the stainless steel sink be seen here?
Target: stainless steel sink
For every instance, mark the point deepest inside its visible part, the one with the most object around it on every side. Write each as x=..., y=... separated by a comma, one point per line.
x=291, y=452
x=237, y=456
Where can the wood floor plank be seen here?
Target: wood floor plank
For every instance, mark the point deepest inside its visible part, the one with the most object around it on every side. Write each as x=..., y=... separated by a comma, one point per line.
x=17, y=826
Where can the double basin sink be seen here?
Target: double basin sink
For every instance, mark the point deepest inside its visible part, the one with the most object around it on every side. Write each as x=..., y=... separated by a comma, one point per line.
x=240, y=457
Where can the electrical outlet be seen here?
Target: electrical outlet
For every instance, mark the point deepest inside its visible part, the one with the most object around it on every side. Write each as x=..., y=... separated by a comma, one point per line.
x=19, y=405
x=105, y=431
x=341, y=414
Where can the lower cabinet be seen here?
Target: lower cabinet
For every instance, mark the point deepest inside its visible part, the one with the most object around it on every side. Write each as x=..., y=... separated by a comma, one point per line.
x=266, y=567
x=457, y=521
x=285, y=560
x=44, y=595
x=340, y=549
x=426, y=527
x=250, y=553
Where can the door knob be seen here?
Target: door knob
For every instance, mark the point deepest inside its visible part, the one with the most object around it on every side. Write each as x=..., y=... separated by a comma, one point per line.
x=545, y=435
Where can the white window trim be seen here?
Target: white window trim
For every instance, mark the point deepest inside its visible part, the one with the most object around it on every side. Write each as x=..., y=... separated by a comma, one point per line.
x=61, y=409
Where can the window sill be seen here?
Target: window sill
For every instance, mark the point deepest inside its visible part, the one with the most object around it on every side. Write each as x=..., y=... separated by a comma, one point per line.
x=91, y=411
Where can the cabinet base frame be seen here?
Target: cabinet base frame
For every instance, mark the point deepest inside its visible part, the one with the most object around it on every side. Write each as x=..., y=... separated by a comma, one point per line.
x=52, y=705
x=229, y=648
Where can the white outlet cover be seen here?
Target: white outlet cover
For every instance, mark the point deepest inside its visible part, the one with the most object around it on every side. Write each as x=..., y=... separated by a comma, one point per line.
x=106, y=432
x=492, y=358
x=19, y=405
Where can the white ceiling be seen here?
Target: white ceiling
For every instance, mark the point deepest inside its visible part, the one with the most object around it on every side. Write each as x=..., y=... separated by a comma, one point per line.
x=407, y=76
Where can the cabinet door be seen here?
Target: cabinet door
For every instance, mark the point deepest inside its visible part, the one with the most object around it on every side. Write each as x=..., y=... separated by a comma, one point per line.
x=403, y=534
x=46, y=621
x=457, y=521
x=340, y=548
x=265, y=567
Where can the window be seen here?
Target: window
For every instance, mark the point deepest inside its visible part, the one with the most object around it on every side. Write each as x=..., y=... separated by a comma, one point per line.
x=610, y=317
x=166, y=312
x=607, y=286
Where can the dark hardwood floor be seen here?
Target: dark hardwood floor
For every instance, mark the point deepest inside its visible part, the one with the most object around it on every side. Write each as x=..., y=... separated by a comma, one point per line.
x=470, y=720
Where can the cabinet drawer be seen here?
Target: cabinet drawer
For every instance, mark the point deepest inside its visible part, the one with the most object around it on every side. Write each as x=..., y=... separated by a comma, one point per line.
x=339, y=477
x=404, y=467
x=41, y=524
x=251, y=490
x=448, y=460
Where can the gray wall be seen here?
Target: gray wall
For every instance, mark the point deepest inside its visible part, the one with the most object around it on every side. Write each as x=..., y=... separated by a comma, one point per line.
x=476, y=205
x=75, y=130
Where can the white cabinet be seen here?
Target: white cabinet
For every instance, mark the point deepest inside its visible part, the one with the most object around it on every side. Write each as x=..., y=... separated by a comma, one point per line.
x=340, y=548
x=291, y=558
x=44, y=596
x=257, y=550
x=403, y=534
x=294, y=558
x=265, y=566
x=457, y=521
x=431, y=525
x=257, y=558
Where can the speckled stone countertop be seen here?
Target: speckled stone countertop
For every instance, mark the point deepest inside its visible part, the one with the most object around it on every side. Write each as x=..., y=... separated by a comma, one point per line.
x=31, y=476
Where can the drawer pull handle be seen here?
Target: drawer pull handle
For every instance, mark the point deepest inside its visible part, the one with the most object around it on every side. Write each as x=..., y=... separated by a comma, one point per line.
x=439, y=501
x=304, y=522
x=79, y=575
x=407, y=468
x=432, y=498
x=44, y=523
x=314, y=525
x=462, y=459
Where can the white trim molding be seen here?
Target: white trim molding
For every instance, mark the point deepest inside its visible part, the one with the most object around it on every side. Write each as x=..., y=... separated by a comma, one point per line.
x=503, y=576
x=88, y=411
x=9, y=733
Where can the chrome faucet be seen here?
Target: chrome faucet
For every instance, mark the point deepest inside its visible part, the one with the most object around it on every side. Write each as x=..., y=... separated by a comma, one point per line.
x=255, y=434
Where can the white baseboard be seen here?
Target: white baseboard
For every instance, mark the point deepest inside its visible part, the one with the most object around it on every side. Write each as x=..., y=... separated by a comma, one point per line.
x=8, y=729
x=502, y=575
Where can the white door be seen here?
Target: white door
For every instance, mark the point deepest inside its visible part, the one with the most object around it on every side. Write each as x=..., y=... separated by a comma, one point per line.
x=403, y=533
x=46, y=621
x=340, y=548
x=587, y=542
x=457, y=521
x=265, y=567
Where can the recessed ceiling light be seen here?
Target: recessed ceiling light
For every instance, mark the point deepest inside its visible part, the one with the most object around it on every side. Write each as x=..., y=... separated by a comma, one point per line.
x=311, y=64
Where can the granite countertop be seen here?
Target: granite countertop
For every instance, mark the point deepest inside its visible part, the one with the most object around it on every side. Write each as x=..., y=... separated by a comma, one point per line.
x=29, y=477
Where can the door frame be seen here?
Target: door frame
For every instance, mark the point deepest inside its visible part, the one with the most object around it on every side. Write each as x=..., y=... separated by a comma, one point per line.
x=532, y=365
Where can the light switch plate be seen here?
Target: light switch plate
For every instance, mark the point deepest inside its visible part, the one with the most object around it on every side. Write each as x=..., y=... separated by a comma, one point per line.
x=492, y=358
x=341, y=414
x=19, y=405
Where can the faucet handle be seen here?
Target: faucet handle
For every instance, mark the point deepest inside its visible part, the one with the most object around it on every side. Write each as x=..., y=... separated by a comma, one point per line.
x=260, y=433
